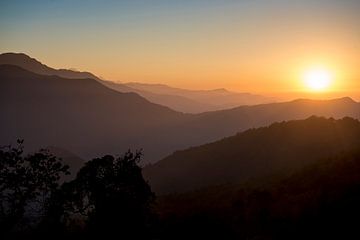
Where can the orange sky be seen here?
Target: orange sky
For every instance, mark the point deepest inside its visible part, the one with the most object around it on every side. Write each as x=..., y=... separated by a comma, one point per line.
x=252, y=46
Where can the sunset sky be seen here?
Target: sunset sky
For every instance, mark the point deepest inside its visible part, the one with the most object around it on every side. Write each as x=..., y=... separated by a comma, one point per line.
x=245, y=45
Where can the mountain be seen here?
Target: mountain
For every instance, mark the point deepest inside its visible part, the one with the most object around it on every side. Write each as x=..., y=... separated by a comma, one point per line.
x=255, y=153
x=204, y=100
x=223, y=123
x=24, y=61
x=87, y=118
x=319, y=201
x=80, y=115
x=182, y=100
x=176, y=102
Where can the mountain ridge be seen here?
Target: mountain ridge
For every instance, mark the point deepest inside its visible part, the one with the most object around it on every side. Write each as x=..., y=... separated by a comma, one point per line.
x=67, y=113
x=256, y=152
x=31, y=64
x=182, y=100
x=75, y=114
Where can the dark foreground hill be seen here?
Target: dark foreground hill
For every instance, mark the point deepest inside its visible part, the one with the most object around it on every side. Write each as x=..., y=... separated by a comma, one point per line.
x=319, y=201
x=281, y=147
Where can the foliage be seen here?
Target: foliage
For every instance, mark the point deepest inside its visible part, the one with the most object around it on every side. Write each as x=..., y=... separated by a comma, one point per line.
x=26, y=183
x=317, y=202
x=108, y=195
x=112, y=196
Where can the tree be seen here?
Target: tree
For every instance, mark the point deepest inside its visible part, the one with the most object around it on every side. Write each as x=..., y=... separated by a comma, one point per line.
x=26, y=183
x=112, y=195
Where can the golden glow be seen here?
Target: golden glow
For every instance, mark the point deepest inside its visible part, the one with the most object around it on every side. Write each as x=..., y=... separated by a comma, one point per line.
x=318, y=79
x=206, y=50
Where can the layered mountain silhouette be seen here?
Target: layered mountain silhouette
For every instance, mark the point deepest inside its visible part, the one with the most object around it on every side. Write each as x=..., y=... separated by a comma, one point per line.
x=80, y=115
x=255, y=153
x=89, y=119
x=183, y=100
x=201, y=100
x=176, y=102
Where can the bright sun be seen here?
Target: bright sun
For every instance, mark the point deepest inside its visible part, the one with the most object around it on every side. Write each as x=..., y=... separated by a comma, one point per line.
x=318, y=79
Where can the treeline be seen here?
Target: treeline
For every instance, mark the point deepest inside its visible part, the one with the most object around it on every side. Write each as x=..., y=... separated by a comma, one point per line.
x=255, y=153
x=319, y=202
x=109, y=197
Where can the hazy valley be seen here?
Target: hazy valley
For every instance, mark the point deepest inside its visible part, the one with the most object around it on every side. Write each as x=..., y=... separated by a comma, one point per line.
x=83, y=116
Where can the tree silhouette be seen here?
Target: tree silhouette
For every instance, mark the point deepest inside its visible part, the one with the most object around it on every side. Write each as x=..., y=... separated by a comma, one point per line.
x=26, y=183
x=112, y=196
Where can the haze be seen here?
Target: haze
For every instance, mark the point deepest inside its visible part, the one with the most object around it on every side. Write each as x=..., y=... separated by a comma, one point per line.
x=249, y=46
x=180, y=119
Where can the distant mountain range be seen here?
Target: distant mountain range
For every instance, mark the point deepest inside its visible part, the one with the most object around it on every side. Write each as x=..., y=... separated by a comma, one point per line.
x=202, y=100
x=176, y=102
x=89, y=119
x=255, y=153
x=183, y=100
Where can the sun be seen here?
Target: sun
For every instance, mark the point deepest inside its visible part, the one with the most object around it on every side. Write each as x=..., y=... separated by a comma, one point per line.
x=318, y=79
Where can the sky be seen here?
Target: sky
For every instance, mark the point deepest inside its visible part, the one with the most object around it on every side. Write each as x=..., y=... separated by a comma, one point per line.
x=245, y=45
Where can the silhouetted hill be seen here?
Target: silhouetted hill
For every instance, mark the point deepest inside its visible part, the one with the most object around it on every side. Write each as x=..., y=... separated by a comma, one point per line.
x=24, y=61
x=222, y=123
x=182, y=100
x=89, y=119
x=285, y=146
x=319, y=201
x=80, y=115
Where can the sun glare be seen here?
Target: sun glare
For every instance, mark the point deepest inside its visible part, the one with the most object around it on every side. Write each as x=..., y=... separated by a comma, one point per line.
x=318, y=79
